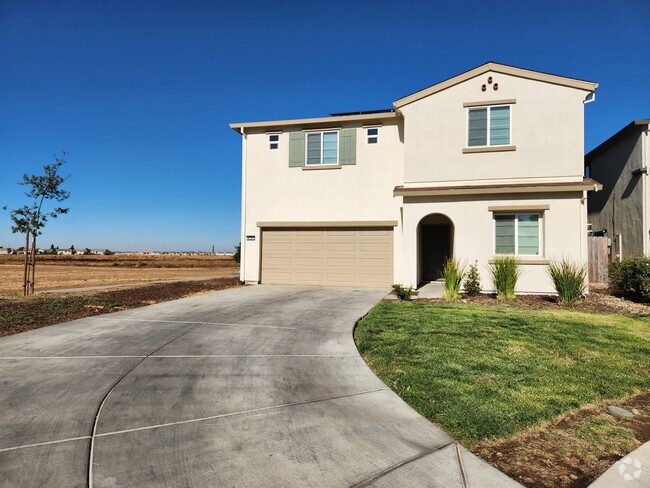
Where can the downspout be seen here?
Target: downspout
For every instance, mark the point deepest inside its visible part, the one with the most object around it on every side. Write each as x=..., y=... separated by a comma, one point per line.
x=645, y=163
x=584, y=215
x=242, y=245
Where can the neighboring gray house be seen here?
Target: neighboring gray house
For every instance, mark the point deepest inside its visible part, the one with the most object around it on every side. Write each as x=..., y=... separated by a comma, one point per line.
x=623, y=207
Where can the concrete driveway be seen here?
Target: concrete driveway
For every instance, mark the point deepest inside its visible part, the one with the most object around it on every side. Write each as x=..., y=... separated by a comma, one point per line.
x=250, y=387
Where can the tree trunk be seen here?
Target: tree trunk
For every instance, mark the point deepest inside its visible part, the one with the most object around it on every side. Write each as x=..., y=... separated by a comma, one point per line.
x=26, y=274
x=33, y=252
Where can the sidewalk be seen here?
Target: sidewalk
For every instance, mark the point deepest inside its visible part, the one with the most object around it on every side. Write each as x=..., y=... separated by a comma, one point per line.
x=632, y=471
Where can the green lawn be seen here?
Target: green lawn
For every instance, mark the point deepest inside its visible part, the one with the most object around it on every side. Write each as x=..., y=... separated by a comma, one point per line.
x=490, y=371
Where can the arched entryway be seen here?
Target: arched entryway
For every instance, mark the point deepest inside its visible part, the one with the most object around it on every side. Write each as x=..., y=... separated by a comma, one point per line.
x=435, y=246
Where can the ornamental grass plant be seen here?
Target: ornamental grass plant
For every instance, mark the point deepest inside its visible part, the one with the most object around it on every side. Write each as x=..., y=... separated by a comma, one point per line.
x=505, y=272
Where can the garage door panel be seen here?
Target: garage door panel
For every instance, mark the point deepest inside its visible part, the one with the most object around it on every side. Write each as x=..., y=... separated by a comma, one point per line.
x=375, y=247
x=342, y=246
x=340, y=262
x=342, y=278
x=310, y=246
x=376, y=233
x=345, y=233
x=374, y=263
x=279, y=246
x=309, y=262
x=350, y=256
x=308, y=277
x=278, y=261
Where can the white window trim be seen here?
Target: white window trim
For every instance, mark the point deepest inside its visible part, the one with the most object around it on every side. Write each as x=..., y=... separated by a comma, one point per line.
x=368, y=136
x=322, y=140
x=540, y=232
x=268, y=135
x=487, y=138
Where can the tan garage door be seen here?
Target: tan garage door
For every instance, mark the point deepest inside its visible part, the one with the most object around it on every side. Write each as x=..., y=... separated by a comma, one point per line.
x=328, y=256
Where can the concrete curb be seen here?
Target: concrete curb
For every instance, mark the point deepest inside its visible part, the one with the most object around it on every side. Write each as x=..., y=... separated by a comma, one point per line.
x=633, y=470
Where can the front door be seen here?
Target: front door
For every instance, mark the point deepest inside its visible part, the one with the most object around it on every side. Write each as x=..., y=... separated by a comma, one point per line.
x=434, y=250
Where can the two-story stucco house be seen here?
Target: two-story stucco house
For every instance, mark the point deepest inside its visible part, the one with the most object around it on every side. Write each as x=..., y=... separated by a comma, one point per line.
x=623, y=209
x=486, y=163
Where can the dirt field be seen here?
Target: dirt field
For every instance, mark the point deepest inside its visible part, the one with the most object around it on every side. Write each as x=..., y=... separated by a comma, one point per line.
x=22, y=314
x=63, y=272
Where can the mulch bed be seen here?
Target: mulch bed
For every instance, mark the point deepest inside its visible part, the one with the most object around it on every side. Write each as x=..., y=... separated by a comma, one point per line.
x=598, y=301
x=560, y=454
x=22, y=314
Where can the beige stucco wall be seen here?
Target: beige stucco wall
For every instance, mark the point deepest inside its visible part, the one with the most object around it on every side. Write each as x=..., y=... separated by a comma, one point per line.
x=547, y=130
x=424, y=148
x=361, y=192
x=563, y=234
x=619, y=206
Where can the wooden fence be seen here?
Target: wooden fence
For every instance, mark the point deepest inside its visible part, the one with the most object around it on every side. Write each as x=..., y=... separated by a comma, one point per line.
x=598, y=259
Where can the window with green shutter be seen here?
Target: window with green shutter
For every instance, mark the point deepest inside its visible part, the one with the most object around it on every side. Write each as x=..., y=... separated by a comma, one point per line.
x=322, y=148
x=488, y=126
x=296, y=149
x=517, y=234
x=348, y=147
x=327, y=147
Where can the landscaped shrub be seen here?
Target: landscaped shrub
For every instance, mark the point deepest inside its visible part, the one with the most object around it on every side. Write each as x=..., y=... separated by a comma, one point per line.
x=403, y=292
x=631, y=278
x=505, y=272
x=569, y=281
x=473, y=280
x=452, y=273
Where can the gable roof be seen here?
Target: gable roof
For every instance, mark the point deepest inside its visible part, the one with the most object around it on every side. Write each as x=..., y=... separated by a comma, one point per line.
x=497, y=68
x=616, y=137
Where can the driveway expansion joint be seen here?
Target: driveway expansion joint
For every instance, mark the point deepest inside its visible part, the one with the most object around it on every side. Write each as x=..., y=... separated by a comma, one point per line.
x=221, y=324
x=108, y=393
x=242, y=412
x=46, y=443
x=381, y=474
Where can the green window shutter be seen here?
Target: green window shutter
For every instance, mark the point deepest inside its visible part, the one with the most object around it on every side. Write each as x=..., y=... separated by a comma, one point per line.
x=348, y=146
x=296, y=149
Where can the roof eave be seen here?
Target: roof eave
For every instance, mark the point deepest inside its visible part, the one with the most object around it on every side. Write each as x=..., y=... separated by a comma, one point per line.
x=332, y=120
x=613, y=139
x=587, y=184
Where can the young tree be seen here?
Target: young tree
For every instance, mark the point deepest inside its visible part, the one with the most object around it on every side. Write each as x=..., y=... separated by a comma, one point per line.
x=30, y=219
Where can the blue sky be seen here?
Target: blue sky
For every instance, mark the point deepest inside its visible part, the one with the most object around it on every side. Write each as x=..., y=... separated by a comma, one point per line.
x=140, y=93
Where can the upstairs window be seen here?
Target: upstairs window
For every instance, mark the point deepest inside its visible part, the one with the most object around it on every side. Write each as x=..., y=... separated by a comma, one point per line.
x=274, y=141
x=372, y=134
x=322, y=147
x=488, y=126
x=517, y=234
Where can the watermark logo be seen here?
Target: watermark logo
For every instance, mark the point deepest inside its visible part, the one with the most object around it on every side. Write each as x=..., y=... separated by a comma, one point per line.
x=630, y=468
